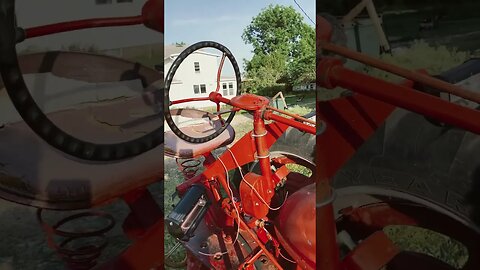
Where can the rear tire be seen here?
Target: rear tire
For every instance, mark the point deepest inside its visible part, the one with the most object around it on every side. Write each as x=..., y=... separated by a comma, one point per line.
x=412, y=155
x=296, y=142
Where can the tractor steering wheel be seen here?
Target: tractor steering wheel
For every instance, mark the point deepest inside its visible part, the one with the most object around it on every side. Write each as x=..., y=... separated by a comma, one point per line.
x=39, y=122
x=170, y=75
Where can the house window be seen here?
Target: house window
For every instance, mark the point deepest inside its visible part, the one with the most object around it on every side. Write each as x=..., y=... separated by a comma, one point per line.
x=196, y=89
x=203, y=88
x=230, y=89
x=197, y=66
x=224, y=87
x=102, y=2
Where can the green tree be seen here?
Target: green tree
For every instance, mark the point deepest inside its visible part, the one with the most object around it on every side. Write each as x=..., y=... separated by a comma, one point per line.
x=283, y=47
x=301, y=68
x=264, y=70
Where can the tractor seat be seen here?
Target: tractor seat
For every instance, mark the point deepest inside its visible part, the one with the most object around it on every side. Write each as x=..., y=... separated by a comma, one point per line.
x=178, y=148
x=34, y=173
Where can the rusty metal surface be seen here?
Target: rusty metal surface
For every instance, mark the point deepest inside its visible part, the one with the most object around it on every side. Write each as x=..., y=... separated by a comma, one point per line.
x=208, y=242
x=33, y=173
x=80, y=248
x=295, y=227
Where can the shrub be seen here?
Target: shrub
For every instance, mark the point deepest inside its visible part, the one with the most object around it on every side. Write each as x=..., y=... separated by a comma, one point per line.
x=421, y=55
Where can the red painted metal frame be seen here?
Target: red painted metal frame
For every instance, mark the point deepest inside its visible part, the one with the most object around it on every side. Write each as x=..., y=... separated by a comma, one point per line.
x=254, y=145
x=333, y=74
x=245, y=151
x=249, y=102
x=405, y=73
x=151, y=17
x=81, y=24
x=351, y=120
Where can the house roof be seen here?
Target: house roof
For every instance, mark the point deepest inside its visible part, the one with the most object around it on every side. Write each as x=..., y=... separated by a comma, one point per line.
x=169, y=50
x=174, y=50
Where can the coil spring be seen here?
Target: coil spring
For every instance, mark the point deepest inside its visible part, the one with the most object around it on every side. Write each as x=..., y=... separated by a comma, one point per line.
x=80, y=249
x=189, y=167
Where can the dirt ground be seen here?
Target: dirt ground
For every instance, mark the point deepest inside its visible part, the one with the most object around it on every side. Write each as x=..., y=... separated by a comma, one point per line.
x=24, y=244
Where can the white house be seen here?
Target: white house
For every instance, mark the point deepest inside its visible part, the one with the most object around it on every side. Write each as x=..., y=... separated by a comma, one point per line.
x=31, y=13
x=305, y=87
x=197, y=76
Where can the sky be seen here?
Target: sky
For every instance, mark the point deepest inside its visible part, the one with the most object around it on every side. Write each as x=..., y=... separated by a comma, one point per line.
x=223, y=21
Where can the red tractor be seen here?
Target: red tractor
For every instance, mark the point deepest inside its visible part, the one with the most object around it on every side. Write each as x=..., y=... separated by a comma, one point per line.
x=248, y=208
x=397, y=156
x=388, y=156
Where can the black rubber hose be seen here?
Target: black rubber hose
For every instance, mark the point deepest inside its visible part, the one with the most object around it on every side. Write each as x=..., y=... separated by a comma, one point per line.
x=171, y=73
x=38, y=121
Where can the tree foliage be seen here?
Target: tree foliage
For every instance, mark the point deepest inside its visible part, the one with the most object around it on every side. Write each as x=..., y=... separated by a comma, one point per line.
x=283, y=47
